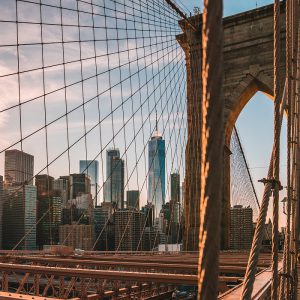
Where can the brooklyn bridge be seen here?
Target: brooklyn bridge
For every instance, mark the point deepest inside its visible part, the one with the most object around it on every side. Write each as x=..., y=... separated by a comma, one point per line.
x=127, y=170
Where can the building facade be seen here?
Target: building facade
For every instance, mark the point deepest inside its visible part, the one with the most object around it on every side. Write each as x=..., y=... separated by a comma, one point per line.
x=91, y=168
x=61, y=188
x=133, y=199
x=19, y=217
x=104, y=228
x=175, y=198
x=79, y=184
x=114, y=184
x=241, y=227
x=175, y=187
x=77, y=236
x=18, y=168
x=129, y=226
x=48, y=211
x=156, y=174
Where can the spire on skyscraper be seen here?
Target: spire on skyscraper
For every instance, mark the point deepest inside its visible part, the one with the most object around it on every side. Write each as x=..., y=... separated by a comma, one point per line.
x=156, y=134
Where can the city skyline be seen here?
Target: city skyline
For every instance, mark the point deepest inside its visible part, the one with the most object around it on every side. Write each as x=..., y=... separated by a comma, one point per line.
x=256, y=136
x=149, y=149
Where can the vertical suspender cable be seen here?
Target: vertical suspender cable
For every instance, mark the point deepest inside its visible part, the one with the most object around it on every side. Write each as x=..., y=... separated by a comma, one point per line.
x=212, y=150
x=297, y=112
x=276, y=160
x=288, y=76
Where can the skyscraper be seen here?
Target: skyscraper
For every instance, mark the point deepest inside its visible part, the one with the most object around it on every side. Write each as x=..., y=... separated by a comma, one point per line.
x=114, y=185
x=19, y=217
x=104, y=228
x=18, y=168
x=61, y=188
x=49, y=208
x=91, y=168
x=79, y=184
x=156, y=176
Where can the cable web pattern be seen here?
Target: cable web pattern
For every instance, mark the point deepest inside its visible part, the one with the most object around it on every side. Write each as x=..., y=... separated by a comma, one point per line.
x=242, y=188
x=80, y=80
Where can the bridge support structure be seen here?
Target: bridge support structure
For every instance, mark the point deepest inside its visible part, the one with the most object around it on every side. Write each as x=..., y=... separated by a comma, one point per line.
x=248, y=68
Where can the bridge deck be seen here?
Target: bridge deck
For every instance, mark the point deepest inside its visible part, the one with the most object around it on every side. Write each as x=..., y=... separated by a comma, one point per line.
x=261, y=288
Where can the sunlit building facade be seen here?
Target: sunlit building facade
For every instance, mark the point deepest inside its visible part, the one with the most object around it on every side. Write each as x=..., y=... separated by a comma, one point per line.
x=241, y=227
x=18, y=168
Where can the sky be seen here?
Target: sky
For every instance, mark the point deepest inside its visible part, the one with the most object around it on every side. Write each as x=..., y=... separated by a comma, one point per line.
x=255, y=123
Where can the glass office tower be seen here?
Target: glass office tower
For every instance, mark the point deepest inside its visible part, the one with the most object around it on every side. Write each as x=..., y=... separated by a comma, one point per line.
x=19, y=218
x=91, y=168
x=156, y=176
x=114, y=184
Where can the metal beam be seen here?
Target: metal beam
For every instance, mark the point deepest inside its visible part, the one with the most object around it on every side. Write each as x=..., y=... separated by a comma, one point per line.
x=14, y=296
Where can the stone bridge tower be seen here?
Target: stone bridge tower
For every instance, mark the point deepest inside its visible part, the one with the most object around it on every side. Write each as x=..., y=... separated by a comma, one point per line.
x=248, y=68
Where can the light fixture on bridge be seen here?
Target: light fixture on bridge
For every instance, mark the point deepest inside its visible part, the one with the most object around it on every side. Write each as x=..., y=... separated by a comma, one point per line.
x=284, y=200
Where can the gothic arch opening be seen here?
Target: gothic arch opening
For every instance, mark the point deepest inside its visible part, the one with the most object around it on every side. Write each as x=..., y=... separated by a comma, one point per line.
x=242, y=95
x=255, y=126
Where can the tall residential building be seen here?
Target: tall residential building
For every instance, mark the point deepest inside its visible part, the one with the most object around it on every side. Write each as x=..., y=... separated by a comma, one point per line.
x=91, y=168
x=241, y=227
x=49, y=210
x=18, y=168
x=19, y=217
x=114, y=185
x=156, y=177
x=128, y=230
x=1, y=208
x=133, y=199
x=79, y=184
